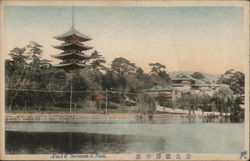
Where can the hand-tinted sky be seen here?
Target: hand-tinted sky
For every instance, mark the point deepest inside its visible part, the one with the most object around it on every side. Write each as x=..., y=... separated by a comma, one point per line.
x=207, y=39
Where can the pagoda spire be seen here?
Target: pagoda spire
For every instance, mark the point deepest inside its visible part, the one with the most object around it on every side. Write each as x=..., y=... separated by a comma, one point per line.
x=73, y=18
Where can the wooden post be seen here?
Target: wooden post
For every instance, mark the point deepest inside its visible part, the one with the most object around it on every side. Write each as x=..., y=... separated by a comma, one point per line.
x=100, y=106
x=106, y=92
x=70, y=142
x=25, y=104
x=70, y=98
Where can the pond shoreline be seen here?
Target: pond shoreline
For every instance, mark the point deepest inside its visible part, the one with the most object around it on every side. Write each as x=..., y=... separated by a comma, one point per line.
x=16, y=117
x=76, y=117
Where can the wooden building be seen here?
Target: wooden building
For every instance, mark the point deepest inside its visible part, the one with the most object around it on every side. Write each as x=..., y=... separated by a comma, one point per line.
x=183, y=82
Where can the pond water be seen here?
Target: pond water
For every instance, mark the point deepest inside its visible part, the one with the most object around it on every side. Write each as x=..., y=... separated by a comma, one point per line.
x=125, y=136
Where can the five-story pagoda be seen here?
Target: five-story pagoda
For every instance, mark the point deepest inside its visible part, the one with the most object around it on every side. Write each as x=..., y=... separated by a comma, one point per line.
x=73, y=56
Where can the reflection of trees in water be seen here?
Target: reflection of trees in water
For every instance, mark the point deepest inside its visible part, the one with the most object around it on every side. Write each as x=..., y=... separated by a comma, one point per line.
x=47, y=143
x=159, y=145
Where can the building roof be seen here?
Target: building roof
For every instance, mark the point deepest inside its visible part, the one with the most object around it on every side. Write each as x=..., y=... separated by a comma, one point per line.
x=159, y=88
x=183, y=77
x=204, y=84
x=69, y=66
x=70, y=55
x=73, y=45
x=72, y=34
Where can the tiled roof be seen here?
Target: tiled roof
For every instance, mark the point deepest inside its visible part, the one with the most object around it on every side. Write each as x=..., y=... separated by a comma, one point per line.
x=158, y=88
x=63, y=55
x=70, y=64
x=65, y=46
x=183, y=77
x=72, y=32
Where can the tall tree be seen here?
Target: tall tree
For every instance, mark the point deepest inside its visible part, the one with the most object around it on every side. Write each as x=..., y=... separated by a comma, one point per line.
x=122, y=67
x=139, y=72
x=224, y=99
x=15, y=74
x=97, y=61
x=235, y=80
x=146, y=104
x=35, y=52
x=159, y=70
x=18, y=61
x=204, y=101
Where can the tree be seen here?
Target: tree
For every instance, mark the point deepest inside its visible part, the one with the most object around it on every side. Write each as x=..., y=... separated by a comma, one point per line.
x=189, y=101
x=139, y=72
x=122, y=67
x=26, y=70
x=18, y=62
x=15, y=73
x=224, y=99
x=158, y=70
x=109, y=80
x=237, y=83
x=36, y=62
x=197, y=75
x=79, y=83
x=205, y=100
x=147, y=103
x=133, y=84
x=97, y=61
x=235, y=80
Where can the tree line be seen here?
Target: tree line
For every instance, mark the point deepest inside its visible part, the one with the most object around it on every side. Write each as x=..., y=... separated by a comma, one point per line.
x=26, y=69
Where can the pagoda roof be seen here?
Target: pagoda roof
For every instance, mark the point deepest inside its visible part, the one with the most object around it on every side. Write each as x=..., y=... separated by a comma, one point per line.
x=72, y=34
x=69, y=66
x=70, y=55
x=72, y=45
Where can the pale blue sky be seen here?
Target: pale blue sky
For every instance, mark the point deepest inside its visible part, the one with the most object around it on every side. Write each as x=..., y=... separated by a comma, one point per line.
x=182, y=38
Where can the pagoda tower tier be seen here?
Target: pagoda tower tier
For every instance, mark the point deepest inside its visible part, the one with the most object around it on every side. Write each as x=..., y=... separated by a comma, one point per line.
x=73, y=45
x=71, y=55
x=72, y=34
x=70, y=66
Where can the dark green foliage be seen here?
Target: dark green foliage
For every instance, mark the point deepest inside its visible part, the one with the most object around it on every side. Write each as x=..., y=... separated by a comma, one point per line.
x=224, y=100
x=26, y=69
x=122, y=67
x=146, y=104
x=97, y=62
x=197, y=75
x=235, y=80
x=159, y=73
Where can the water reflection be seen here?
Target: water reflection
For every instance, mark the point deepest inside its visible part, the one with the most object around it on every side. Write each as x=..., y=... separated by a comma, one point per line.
x=125, y=136
x=47, y=143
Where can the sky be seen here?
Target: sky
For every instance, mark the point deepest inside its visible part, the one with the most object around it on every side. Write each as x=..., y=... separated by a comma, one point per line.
x=204, y=39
